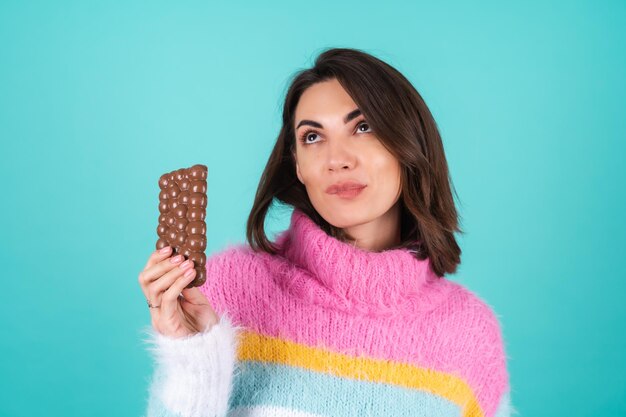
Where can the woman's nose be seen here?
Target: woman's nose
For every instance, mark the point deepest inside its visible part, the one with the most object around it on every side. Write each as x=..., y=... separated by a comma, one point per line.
x=339, y=156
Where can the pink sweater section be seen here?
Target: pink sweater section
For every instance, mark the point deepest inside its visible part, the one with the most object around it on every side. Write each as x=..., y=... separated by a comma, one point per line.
x=322, y=292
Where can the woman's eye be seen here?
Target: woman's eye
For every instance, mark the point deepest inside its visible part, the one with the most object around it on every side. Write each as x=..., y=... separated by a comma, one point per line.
x=306, y=136
x=364, y=124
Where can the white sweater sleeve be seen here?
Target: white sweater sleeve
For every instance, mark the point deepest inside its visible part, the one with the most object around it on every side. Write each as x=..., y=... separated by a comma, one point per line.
x=193, y=375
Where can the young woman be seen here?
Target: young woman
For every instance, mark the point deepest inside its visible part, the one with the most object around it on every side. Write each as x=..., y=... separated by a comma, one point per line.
x=348, y=312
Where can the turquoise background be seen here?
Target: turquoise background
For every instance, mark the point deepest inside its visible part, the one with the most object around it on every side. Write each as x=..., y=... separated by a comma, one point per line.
x=97, y=99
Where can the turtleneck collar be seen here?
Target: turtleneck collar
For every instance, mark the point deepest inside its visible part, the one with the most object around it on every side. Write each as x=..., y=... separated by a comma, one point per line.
x=339, y=275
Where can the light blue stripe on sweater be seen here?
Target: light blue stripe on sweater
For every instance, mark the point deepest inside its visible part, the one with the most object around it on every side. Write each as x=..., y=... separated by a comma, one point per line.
x=268, y=411
x=267, y=384
x=505, y=409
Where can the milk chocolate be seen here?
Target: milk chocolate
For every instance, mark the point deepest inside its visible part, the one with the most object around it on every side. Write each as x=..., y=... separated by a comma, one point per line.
x=182, y=210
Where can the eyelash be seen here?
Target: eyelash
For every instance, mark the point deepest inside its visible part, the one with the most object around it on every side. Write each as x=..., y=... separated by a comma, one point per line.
x=304, y=136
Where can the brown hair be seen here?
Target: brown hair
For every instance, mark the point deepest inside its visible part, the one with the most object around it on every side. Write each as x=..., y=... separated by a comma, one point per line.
x=397, y=114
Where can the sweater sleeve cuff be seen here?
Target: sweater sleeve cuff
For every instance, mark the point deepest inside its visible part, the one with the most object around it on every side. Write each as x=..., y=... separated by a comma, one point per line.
x=193, y=375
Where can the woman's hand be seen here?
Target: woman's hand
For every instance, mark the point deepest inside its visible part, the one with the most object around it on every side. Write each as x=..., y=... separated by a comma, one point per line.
x=162, y=282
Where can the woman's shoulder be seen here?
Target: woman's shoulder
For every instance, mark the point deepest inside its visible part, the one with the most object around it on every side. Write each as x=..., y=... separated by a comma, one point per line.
x=231, y=254
x=479, y=339
x=471, y=308
x=232, y=274
x=237, y=257
x=230, y=262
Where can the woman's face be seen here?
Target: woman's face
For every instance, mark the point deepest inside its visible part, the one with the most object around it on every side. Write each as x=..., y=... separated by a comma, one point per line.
x=336, y=144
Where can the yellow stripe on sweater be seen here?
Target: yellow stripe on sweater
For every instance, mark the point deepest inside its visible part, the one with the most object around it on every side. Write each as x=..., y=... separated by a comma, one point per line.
x=257, y=347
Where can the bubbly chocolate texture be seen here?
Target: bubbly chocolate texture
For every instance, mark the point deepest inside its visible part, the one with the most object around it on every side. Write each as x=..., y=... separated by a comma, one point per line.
x=182, y=210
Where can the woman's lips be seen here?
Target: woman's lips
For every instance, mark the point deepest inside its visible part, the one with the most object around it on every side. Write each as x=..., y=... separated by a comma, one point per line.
x=347, y=189
x=349, y=193
x=343, y=186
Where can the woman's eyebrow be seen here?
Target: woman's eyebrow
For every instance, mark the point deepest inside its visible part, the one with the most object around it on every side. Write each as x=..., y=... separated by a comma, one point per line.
x=354, y=113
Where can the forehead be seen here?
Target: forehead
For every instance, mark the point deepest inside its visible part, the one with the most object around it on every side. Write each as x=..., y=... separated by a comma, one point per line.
x=324, y=99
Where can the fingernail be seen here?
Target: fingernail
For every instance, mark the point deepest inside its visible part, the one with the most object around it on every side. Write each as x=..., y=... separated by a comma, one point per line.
x=189, y=273
x=185, y=264
x=176, y=259
x=165, y=250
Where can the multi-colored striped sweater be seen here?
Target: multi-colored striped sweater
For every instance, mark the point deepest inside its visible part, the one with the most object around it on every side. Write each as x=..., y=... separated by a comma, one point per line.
x=324, y=328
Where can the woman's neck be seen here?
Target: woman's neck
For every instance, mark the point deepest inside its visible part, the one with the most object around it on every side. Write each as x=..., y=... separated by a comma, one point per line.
x=381, y=233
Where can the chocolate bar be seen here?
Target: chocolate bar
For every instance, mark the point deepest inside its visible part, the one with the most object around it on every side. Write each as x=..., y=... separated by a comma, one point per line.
x=182, y=208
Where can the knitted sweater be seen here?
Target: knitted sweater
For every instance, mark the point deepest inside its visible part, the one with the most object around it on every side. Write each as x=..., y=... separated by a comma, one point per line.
x=325, y=328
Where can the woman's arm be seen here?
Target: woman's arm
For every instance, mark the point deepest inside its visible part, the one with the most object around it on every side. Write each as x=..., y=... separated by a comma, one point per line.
x=193, y=375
